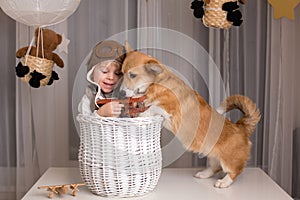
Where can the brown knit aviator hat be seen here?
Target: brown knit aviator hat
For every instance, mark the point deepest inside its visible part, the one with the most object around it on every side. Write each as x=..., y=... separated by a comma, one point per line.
x=106, y=50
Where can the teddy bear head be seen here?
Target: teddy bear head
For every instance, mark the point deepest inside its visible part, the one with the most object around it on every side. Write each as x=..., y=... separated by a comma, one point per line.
x=50, y=39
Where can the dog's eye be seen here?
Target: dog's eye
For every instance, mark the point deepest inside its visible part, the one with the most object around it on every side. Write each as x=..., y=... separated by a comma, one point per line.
x=131, y=75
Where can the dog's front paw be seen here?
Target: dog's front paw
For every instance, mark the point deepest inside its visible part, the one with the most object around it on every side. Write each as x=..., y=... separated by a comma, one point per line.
x=145, y=114
x=224, y=183
x=204, y=174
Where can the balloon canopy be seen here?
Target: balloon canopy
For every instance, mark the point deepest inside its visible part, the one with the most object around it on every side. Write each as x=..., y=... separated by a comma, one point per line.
x=39, y=12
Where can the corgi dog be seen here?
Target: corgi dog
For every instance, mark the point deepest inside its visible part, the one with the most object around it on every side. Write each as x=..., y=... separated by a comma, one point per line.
x=199, y=127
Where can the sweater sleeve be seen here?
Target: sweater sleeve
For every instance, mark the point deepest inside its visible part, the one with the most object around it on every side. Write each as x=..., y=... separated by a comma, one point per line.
x=84, y=105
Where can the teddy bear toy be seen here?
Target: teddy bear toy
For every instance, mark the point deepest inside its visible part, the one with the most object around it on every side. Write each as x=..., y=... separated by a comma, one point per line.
x=40, y=72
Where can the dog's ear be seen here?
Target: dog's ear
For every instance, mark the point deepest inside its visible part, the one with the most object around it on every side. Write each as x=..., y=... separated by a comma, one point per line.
x=154, y=67
x=128, y=47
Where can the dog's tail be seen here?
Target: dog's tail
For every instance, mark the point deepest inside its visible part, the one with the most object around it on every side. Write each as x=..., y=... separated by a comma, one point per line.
x=246, y=106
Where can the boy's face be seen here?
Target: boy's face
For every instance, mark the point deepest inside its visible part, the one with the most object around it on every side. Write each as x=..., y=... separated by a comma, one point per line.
x=107, y=74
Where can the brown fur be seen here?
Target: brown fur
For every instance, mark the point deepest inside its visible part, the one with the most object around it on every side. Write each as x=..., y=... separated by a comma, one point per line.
x=190, y=117
x=50, y=41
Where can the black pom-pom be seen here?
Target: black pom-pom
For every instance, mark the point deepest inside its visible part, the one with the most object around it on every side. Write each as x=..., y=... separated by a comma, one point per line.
x=54, y=76
x=34, y=83
x=35, y=79
x=197, y=6
x=37, y=75
x=199, y=13
x=235, y=17
x=21, y=70
x=230, y=6
x=50, y=81
x=237, y=22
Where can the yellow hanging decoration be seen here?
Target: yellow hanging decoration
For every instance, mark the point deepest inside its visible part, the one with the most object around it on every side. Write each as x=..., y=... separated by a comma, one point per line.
x=284, y=8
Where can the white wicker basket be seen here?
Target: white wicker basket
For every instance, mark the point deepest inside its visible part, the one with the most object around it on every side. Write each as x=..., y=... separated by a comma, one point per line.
x=120, y=156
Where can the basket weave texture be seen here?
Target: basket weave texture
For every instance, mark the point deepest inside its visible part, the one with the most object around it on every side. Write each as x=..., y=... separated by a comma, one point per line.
x=41, y=65
x=214, y=16
x=120, y=156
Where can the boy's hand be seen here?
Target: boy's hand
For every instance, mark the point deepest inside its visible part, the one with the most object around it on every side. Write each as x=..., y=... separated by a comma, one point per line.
x=111, y=109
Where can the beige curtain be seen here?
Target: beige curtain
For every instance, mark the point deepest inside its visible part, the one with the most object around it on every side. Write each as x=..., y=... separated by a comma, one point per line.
x=280, y=105
x=7, y=109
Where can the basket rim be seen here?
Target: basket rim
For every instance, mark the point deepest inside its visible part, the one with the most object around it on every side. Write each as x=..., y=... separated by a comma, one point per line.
x=30, y=57
x=109, y=120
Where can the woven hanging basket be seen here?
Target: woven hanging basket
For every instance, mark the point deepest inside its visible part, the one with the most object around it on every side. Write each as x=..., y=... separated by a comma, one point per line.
x=41, y=65
x=214, y=16
x=120, y=156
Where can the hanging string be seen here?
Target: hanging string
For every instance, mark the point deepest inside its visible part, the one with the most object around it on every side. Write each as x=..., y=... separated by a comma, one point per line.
x=40, y=37
x=38, y=43
x=42, y=40
x=28, y=50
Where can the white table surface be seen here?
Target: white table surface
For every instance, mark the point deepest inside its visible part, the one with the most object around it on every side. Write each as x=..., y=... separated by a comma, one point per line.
x=174, y=184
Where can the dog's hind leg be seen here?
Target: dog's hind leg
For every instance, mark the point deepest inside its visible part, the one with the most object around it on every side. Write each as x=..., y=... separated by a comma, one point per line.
x=231, y=174
x=224, y=182
x=214, y=167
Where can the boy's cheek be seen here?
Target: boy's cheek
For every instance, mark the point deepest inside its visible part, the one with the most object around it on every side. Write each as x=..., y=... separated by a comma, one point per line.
x=97, y=77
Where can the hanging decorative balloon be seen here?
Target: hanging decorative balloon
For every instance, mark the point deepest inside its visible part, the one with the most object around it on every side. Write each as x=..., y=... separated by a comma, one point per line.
x=39, y=13
x=36, y=65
